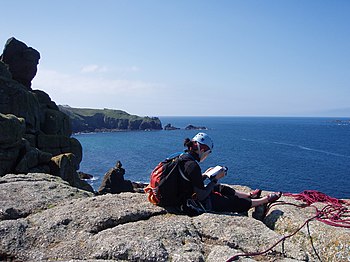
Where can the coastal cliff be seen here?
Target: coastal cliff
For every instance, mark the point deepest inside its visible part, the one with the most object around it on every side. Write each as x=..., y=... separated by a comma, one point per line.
x=35, y=133
x=95, y=120
x=43, y=218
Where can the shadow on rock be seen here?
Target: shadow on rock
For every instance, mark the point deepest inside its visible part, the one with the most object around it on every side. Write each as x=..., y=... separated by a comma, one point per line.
x=271, y=219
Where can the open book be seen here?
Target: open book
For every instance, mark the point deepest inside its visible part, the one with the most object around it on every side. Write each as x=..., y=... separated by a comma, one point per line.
x=216, y=170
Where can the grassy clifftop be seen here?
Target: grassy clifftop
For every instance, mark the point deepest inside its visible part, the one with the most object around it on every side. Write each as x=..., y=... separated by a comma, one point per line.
x=94, y=120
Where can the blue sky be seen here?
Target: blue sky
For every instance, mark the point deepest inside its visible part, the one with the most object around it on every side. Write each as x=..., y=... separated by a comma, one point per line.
x=192, y=58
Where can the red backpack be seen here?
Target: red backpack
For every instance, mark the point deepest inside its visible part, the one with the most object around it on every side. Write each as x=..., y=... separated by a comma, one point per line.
x=163, y=189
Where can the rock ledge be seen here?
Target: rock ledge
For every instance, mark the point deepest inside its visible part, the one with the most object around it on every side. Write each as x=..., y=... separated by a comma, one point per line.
x=54, y=221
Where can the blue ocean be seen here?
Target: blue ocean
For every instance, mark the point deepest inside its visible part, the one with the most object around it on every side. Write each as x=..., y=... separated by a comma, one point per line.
x=272, y=153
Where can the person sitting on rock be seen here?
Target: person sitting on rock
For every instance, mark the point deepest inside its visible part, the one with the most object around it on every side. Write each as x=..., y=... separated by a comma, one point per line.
x=213, y=196
x=113, y=181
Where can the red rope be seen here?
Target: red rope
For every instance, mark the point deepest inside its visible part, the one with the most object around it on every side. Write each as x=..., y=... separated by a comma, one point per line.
x=235, y=257
x=335, y=213
x=313, y=196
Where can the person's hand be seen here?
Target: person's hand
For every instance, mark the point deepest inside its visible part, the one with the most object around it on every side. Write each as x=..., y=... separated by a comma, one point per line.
x=220, y=175
x=204, y=174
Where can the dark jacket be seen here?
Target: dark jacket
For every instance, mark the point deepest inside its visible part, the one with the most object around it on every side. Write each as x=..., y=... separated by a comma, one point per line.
x=195, y=187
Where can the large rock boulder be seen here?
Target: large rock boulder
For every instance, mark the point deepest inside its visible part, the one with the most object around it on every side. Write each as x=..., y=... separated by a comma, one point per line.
x=36, y=129
x=65, y=166
x=22, y=61
x=4, y=71
x=25, y=194
x=12, y=130
x=32, y=160
x=16, y=100
x=53, y=121
x=126, y=227
x=16, y=153
x=113, y=181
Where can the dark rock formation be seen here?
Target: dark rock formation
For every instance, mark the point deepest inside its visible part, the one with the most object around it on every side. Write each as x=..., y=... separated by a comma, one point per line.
x=170, y=127
x=104, y=120
x=113, y=181
x=12, y=130
x=189, y=127
x=32, y=129
x=16, y=100
x=192, y=127
x=83, y=175
x=64, y=166
x=48, y=220
x=21, y=60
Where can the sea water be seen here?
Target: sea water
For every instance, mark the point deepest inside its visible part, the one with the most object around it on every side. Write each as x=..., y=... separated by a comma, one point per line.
x=271, y=153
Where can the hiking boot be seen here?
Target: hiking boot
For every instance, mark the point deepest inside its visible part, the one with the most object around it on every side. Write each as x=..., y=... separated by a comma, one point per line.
x=273, y=197
x=255, y=194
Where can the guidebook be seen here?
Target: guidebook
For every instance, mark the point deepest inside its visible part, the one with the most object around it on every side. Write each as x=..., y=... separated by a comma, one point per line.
x=216, y=170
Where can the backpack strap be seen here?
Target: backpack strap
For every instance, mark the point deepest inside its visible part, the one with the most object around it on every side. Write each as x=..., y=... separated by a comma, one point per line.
x=180, y=171
x=182, y=174
x=174, y=155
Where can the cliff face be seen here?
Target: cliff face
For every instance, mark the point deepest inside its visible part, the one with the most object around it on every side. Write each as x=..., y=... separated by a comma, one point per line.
x=91, y=120
x=34, y=135
x=49, y=220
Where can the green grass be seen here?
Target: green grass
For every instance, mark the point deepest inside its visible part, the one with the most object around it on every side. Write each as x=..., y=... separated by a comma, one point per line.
x=81, y=113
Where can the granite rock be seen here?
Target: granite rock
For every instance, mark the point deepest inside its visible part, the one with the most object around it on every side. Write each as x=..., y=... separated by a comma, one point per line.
x=32, y=128
x=331, y=243
x=126, y=227
x=24, y=194
x=21, y=60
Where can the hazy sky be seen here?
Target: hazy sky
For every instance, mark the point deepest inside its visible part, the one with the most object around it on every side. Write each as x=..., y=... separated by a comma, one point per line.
x=184, y=57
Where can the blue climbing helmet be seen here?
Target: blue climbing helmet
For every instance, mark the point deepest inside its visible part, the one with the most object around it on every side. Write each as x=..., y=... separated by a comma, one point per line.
x=204, y=139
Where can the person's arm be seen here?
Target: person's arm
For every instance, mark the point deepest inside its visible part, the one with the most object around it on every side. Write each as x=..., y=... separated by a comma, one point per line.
x=204, y=193
x=195, y=175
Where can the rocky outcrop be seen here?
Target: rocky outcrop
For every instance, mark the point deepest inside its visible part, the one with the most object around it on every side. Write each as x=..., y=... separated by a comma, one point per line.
x=25, y=194
x=170, y=127
x=32, y=129
x=12, y=131
x=21, y=60
x=104, y=120
x=192, y=127
x=189, y=127
x=126, y=227
x=113, y=181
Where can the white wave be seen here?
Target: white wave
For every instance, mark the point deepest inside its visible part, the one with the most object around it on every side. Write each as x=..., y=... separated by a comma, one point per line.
x=251, y=140
x=312, y=149
x=298, y=146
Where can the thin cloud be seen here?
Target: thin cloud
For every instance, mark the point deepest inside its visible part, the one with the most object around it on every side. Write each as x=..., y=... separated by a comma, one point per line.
x=133, y=69
x=57, y=83
x=93, y=68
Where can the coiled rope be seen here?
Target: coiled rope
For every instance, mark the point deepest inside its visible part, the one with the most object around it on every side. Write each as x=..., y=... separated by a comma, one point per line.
x=336, y=213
